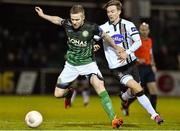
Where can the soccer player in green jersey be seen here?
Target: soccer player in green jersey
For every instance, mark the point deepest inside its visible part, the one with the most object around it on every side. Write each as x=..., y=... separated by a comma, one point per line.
x=80, y=58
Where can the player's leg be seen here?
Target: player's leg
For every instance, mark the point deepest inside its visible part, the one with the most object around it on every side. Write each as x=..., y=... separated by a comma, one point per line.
x=64, y=80
x=152, y=88
x=126, y=91
x=95, y=79
x=67, y=93
x=143, y=100
x=59, y=92
x=84, y=85
x=74, y=87
x=125, y=104
x=85, y=95
x=74, y=94
x=137, y=90
x=98, y=84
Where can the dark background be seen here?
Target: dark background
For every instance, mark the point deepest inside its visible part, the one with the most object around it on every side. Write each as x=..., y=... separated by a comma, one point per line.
x=28, y=41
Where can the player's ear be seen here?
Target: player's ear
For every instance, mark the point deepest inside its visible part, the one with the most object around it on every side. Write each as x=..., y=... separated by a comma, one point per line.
x=119, y=11
x=83, y=16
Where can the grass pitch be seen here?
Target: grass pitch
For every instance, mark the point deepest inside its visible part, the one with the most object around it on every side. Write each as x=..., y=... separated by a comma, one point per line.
x=78, y=117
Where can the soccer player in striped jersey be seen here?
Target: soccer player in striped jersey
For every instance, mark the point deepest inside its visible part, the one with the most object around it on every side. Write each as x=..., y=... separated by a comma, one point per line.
x=126, y=36
x=80, y=58
x=146, y=67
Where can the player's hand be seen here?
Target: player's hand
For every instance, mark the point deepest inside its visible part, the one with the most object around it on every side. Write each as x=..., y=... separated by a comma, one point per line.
x=96, y=47
x=120, y=52
x=141, y=61
x=154, y=69
x=122, y=56
x=39, y=11
x=119, y=49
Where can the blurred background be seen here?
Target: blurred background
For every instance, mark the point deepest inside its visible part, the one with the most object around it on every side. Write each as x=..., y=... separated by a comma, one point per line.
x=32, y=49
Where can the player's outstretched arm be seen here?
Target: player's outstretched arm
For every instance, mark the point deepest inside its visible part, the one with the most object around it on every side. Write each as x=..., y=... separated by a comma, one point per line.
x=110, y=41
x=54, y=19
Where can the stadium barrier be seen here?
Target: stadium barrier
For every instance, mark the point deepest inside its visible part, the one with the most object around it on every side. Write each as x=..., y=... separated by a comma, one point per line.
x=43, y=81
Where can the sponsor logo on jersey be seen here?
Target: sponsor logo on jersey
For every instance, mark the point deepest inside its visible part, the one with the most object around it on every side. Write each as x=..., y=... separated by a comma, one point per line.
x=118, y=38
x=133, y=29
x=77, y=42
x=85, y=33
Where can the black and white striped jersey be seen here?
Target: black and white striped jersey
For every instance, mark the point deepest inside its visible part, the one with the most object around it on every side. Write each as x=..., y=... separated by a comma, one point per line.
x=124, y=34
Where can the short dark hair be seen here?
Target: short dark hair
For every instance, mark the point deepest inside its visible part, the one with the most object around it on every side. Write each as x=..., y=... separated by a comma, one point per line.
x=117, y=3
x=77, y=9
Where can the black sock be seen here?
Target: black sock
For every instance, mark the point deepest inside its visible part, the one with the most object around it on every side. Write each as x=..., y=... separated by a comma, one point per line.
x=153, y=100
x=131, y=100
x=68, y=94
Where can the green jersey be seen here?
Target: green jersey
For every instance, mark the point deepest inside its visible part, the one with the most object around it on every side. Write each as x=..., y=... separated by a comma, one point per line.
x=80, y=42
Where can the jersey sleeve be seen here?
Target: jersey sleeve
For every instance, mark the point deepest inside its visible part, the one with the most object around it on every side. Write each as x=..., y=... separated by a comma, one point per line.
x=134, y=33
x=62, y=22
x=98, y=31
x=132, y=29
x=65, y=22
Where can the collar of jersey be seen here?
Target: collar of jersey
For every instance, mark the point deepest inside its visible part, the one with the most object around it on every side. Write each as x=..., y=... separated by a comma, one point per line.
x=110, y=23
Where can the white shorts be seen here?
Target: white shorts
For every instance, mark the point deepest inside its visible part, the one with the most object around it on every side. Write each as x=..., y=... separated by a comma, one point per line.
x=70, y=72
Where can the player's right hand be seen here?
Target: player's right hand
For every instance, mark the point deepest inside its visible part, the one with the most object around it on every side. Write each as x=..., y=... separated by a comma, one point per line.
x=39, y=11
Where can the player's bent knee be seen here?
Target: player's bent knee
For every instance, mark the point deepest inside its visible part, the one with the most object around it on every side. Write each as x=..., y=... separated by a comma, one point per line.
x=135, y=86
x=60, y=89
x=95, y=76
x=58, y=92
x=96, y=81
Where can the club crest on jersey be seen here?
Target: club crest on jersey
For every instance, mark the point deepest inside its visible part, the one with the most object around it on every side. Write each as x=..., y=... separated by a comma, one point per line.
x=85, y=33
x=118, y=38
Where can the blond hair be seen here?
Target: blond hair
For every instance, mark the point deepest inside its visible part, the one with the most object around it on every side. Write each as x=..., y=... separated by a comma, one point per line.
x=77, y=9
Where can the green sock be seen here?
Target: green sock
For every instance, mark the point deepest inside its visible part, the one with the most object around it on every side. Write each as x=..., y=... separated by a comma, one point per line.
x=107, y=104
x=68, y=94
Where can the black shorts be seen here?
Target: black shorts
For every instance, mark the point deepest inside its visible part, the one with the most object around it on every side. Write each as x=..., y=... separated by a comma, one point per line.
x=129, y=69
x=81, y=77
x=146, y=74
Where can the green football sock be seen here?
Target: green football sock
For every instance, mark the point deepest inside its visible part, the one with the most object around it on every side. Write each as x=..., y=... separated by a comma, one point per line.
x=107, y=104
x=68, y=94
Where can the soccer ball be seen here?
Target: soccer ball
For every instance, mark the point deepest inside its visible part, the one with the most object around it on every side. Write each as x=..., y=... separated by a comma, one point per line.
x=33, y=119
